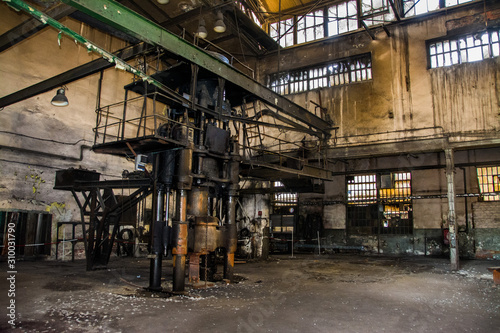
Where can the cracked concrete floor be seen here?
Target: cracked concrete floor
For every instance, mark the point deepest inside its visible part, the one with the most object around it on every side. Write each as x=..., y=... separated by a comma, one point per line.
x=308, y=293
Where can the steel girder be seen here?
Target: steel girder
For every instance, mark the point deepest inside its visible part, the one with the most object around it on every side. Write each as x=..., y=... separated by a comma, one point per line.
x=104, y=213
x=124, y=19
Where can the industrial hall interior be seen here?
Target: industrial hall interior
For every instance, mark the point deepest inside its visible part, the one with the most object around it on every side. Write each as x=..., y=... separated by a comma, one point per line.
x=250, y=165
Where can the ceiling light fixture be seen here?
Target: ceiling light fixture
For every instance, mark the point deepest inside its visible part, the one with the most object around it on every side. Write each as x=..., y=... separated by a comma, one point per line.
x=202, y=30
x=219, y=27
x=60, y=98
x=185, y=7
x=163, y=2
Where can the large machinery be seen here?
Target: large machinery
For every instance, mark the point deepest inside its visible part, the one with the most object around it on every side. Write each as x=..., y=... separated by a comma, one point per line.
x=192, y=127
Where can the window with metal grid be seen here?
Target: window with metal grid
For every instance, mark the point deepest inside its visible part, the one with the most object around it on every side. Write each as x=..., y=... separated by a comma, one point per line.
x=449, y=3
x=379, y=204
x=248, y=11
x=345, y=16
x=397, y=219
x=337, y=73
x=376, y=12
x=489, y=183
x=342, y=17
x=466, y=48
x=283, y=31
x=400, y=190
x=310, y=27
x=284, y=199
x=362, y=189
x=417, y=7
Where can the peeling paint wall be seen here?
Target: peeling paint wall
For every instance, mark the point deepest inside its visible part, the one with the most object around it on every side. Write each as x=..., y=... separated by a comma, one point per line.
x=253, y=226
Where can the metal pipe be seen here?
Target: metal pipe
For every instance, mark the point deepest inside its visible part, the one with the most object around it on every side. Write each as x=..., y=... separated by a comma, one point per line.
x=181, y=235
x=157, y=244
x=166, y=227
x=452, y=225
x=231, y=238
x=466, y=203
x=232, y=233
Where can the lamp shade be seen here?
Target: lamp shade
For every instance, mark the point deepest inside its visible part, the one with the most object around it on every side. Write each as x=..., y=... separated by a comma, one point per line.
x=60, y=98
x=202, y=30
x=220, y=26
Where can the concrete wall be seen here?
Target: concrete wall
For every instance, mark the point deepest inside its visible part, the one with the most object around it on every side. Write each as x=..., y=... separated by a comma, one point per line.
x=36, y=138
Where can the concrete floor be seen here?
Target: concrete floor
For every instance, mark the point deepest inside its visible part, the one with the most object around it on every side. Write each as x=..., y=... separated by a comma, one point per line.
x=309, y=293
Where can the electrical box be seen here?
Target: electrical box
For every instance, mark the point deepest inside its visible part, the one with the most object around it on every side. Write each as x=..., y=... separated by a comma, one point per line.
x=140, y=162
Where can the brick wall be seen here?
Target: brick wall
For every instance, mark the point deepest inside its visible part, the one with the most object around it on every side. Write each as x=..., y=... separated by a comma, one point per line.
x=486, y=214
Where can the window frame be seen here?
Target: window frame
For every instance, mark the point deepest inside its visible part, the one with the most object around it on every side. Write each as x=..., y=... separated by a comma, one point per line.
x=302, y=24
x=485, y=194
x=281, y=37
x=348, y=18
x=372, y=18
x=492, y=46
x=355, y=69
x=381, y=210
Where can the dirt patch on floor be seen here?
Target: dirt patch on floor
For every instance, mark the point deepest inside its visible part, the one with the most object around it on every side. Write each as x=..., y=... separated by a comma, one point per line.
x=66, y=286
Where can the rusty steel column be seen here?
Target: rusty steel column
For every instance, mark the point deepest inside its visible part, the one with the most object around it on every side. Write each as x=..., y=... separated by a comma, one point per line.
x=231, y=238
x=198, y=207
x=180, y=227
x=450, y=180
x=231, y=232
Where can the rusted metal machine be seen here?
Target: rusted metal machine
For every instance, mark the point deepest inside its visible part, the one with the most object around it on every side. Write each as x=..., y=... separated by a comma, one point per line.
x=188, y=127
x=192, y=156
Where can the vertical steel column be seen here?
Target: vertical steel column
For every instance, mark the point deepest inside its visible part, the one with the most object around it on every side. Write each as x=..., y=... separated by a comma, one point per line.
x=92, y=223
x=450, y=180
x=231, y=238
x=166, y=227
x=157, y=244
x=181, y=239
x=231, y=232
x=180, y=226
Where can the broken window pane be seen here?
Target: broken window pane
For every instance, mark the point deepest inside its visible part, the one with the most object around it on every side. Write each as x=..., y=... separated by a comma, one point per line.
x=310, y=27
x=388, y=213
x=340, y=72
x=417, y=7
x=282, y=31
x=468, y=48
x=342, y=18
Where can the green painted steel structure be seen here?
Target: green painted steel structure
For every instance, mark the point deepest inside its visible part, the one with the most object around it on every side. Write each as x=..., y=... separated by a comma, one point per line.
x=126, y=20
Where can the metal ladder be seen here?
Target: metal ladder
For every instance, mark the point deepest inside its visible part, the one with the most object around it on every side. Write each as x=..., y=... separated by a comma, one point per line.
x=252, y=133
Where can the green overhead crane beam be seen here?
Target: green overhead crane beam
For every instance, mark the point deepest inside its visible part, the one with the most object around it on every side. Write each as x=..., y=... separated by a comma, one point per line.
x=126, y=20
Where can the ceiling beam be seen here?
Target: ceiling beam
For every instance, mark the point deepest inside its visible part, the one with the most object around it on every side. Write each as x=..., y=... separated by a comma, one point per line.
x=248, y=26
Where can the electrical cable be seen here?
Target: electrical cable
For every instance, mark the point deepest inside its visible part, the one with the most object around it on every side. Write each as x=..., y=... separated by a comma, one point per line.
x=43, y=139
